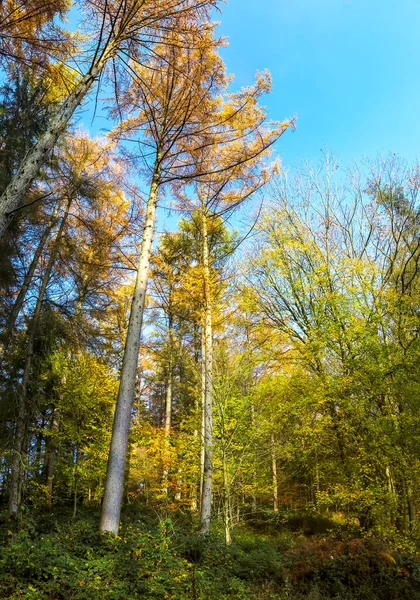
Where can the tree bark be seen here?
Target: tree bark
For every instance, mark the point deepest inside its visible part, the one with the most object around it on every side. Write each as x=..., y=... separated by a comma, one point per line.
x=227, y=512
x=208, y=404
x=114, y=484
x=196, y=484
x=203, y=404
x=76, y=479
x=274, y=473
x=168, y=411
x=254, y=464
x=13, y=195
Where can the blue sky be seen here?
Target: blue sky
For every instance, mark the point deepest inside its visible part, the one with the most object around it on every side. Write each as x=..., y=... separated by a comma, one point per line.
x=350, y=70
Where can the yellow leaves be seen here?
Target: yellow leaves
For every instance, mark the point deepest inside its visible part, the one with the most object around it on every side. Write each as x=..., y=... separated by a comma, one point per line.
x=388, y=558
x=30, y=34
x=264, y=81
x=59, y=81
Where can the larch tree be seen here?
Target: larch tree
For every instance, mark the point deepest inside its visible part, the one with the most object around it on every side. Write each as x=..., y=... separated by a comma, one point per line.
x=122, y=34
x=172, y=98
x=233, y=169
x=82, y=180
x=166, y=276
x=29, y=34
x=179, y=117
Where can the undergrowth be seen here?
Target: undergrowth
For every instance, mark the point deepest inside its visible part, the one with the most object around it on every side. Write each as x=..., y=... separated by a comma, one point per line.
x=160, y=556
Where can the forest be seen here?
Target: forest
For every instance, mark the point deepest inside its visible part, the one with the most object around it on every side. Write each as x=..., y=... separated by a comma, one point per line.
x=224, y=405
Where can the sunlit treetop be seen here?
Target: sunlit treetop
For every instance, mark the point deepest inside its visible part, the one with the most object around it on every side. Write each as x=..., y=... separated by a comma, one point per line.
x=30, y=33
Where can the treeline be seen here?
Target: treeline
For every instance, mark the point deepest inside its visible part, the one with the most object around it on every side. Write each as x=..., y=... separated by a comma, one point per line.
x=179, y=372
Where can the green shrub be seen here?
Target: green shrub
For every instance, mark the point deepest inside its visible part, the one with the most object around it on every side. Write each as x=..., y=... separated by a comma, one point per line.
x=358, y=569
x=157, y=558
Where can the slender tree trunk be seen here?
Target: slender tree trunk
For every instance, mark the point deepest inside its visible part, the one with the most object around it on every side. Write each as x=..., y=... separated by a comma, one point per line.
x=195, y=483
x=274, y=473
x=114, y=484
x=208, y=404
x=168, y=413
x=254, y=463
x=340, y=439
x=76, y=479
x=51, y=456
x=168, y=408
x=20, y=433
x=227, y=513
x=203, y=407
x=38, y=451
x=409, y=501
x=178, y=494
x=412, y=514
x=316, y=487
x=17, y=306
x=13, y=195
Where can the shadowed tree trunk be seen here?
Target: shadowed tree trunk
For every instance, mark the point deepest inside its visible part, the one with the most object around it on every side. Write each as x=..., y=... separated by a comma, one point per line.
x=17, y=306
x=21, y=424
x=51, y=456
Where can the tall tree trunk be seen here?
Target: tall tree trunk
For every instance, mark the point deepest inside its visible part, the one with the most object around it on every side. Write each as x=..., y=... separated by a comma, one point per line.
x=203, y=407
x=13, y=195
x=274, y=474
x=208, y=404
x=168, y=411
x=254, y=465
x=195, y=483
x=227, y=512
x=114, y=484
x=20, y=433
x=76, y=479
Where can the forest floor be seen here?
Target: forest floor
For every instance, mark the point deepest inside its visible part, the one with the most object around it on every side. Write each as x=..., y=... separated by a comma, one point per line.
x=158, y=555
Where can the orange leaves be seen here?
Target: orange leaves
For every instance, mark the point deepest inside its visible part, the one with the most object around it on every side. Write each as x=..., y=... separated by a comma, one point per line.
x=28, y=32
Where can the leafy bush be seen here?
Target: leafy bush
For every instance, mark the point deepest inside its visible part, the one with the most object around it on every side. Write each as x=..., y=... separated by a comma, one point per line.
x=358, y=569
x=157, y=558
x=76, y=563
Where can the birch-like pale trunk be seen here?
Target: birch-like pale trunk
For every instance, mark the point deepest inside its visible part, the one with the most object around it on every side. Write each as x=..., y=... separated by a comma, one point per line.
x=274, y=474
x=114, y=484
x=208, y=404
x=20, y=433
x=27, y=280
x=76, y=479
x=227, y=509
x=203, y=405
x=168, y=404
x=178, y=494
x=13, y=195
x=254, y=462
x=194, y=500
